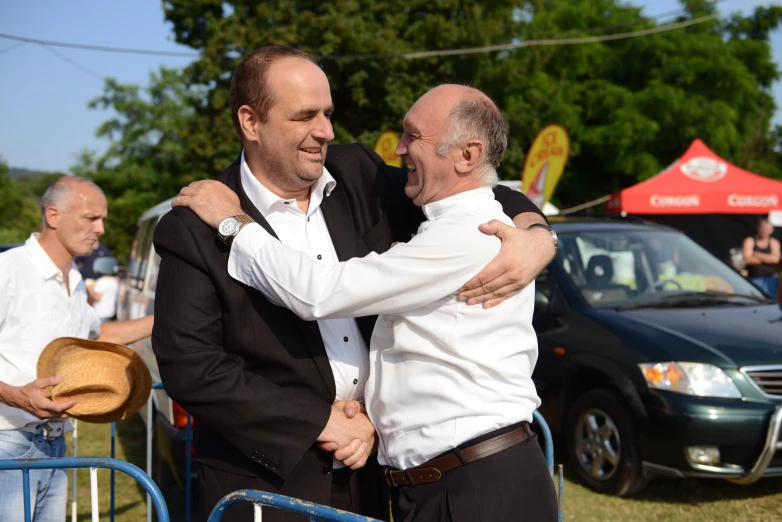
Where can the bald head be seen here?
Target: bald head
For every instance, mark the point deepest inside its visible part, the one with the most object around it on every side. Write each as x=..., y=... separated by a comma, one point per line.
x=65, y=191
x=469, y=114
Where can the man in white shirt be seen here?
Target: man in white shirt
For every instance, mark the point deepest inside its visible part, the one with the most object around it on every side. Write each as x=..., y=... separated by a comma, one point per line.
x=450, y=390
x=43, y=297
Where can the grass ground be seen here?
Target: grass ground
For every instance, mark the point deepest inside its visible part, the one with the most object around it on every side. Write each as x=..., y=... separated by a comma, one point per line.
x=94, y=440
x=663, y=500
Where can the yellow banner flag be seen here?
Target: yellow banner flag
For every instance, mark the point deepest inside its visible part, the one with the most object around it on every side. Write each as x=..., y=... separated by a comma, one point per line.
x=385, y=147
x=544, y=164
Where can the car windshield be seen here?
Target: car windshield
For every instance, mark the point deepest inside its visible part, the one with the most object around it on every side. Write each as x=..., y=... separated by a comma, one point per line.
x=649, y=268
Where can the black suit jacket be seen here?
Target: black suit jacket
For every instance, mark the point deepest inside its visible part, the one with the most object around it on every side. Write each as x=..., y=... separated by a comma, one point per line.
x=255, y=377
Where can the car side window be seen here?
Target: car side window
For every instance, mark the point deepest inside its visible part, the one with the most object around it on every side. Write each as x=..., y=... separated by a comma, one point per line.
x=139, y=254
x=544, y=286
x=154, y=268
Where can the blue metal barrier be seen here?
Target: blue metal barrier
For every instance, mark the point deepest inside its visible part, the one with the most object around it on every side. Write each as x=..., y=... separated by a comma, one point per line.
x=282, y=502
x=316, y=512
x=25, y=465
x=548, y=451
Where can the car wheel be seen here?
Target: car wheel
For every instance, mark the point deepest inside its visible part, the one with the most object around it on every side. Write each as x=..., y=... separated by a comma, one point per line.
x=602, y=445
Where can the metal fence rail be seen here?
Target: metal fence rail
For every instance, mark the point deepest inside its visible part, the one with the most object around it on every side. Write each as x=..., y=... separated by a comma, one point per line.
x=25, y=465
x=261, y=498
x=316, y=512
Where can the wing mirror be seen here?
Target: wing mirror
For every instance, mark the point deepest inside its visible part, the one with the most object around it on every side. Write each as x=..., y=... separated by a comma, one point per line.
x=105, y=266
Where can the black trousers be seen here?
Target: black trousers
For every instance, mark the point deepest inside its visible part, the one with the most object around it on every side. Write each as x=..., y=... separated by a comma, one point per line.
x=346, y=494
x=512, y=485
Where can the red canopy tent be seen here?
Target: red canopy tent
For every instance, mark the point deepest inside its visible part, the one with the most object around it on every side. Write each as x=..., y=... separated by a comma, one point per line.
x=700, y=182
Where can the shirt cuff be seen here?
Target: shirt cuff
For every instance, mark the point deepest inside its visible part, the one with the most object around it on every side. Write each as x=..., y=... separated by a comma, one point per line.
x=244, y=246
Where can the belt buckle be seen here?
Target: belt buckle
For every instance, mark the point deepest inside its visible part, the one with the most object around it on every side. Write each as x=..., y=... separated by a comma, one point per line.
x=48, y=429
x=390, y=477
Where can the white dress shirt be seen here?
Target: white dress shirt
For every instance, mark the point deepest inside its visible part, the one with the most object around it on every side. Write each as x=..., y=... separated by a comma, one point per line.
x=442, y=372
x=308, y=234
x=35, y=309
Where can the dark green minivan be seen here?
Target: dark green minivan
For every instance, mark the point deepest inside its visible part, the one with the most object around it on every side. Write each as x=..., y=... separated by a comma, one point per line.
x=656, y=359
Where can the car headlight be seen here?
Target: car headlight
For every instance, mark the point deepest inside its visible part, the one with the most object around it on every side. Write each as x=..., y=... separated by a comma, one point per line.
x=702, y=380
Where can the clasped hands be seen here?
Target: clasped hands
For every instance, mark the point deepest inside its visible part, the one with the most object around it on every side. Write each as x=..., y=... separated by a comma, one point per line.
x=349, y=434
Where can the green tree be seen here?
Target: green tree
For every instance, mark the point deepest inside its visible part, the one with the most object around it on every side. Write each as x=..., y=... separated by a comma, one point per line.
x=19, y=213
x=631, y=106
x=147, y=160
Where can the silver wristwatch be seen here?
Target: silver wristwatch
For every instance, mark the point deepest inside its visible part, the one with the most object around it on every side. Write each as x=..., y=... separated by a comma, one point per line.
x=551, y=231
x=230, y=226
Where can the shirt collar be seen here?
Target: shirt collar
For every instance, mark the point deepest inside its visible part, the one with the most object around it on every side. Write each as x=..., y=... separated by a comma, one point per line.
x=40, y=258
x=264, y=199
x=453, y=203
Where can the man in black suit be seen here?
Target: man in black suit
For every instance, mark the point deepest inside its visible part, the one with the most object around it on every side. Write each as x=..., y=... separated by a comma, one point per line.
x=261, y=384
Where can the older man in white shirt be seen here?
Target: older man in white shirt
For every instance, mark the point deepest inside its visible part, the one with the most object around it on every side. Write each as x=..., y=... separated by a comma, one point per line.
x=450, y=390
x=43, y=297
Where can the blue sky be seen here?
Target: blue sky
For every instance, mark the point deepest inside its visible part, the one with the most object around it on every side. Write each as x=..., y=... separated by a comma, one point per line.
x=43, y=99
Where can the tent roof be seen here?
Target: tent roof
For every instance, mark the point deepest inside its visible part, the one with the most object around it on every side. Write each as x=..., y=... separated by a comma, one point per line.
x=700, y=182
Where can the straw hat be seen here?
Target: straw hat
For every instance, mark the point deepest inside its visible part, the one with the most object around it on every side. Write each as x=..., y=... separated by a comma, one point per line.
x=109, y=381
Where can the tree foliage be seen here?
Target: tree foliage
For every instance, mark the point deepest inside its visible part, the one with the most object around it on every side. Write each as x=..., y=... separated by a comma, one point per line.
x=630, y=106
x=20, y=214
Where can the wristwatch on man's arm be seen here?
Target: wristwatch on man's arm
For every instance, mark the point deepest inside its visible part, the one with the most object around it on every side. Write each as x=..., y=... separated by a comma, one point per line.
x=230, y=226
x=551, y=231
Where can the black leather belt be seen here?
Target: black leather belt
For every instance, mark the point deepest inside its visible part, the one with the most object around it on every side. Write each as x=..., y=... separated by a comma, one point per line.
x=432, y=470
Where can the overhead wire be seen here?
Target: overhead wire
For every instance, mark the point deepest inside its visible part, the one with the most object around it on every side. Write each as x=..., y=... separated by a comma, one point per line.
x=72, y=62
x=416, y=54
x=12, y=47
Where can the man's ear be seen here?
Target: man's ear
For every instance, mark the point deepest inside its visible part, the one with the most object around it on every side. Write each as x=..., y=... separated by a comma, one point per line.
x=248, y=121
x=52, y=215
x=469, y=157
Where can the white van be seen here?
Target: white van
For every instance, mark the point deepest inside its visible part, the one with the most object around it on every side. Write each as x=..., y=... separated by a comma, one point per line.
x=137, y=299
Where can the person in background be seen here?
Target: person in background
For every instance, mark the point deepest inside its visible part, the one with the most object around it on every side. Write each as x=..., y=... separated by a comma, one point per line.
x=103, y=297
x=761, y=256
x=43, y=297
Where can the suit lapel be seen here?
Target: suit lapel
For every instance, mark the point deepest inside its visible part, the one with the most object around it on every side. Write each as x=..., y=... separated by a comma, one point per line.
x=336, y=212
x=309, y=329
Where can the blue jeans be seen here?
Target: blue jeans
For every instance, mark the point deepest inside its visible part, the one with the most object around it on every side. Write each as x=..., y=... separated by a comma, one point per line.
x=768, y=284
x=48, y=487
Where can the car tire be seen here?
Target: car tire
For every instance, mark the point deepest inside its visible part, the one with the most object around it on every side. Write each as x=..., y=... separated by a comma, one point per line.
x=602, y=444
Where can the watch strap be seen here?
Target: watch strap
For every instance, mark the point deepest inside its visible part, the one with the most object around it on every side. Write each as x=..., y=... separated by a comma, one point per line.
x=554, y=237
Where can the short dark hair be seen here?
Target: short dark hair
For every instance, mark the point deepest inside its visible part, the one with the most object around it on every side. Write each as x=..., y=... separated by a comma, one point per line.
x=249, y=82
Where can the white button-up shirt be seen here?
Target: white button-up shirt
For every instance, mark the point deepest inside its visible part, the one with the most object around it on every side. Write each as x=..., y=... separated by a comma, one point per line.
x=35, y=309
x=308, y=234
x=442, y=372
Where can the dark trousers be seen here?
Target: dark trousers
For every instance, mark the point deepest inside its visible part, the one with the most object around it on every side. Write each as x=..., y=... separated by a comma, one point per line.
x=512, y=485
x=214, y=484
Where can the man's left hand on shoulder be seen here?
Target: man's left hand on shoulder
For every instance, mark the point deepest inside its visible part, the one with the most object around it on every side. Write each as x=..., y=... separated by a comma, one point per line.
x=525, y=253
x=211, y=200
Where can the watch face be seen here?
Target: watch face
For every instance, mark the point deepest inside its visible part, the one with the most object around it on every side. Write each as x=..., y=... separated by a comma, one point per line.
x=228, y=226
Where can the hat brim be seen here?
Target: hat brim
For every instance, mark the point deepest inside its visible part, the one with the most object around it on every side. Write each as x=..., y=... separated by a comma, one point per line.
x=140, y=380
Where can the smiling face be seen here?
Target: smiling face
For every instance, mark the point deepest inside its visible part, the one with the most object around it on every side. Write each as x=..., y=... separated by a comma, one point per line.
x=292, y=141
x=424, y=126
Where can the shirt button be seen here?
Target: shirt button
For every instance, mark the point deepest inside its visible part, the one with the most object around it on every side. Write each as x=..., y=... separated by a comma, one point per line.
x=326, y=469
x=287, y=202
x=355, y=381
x=345, y=339
x=320, y=256
x=308, y=219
